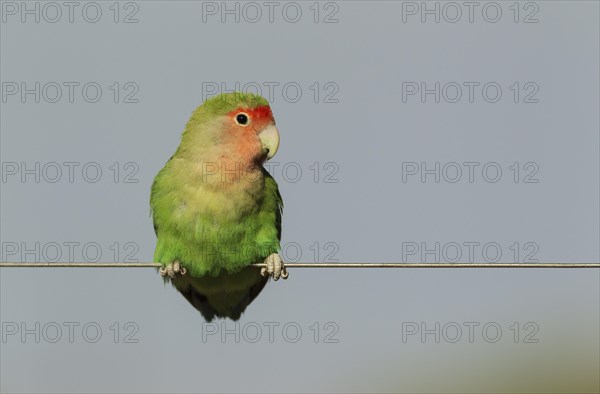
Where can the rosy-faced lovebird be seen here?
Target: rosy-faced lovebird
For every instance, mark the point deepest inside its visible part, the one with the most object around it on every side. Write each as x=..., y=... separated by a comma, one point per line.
x=215, y=208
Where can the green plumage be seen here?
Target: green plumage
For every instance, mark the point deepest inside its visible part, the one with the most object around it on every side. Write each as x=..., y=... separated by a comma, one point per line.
x=206, y=216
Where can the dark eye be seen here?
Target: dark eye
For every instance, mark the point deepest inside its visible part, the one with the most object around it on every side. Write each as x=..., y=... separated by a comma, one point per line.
x=241, y=119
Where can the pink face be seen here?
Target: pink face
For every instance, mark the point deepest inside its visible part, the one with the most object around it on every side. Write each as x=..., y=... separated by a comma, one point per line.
x=253, y=131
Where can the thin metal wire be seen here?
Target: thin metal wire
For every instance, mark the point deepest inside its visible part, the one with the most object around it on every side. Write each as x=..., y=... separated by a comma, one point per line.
x=318, y=265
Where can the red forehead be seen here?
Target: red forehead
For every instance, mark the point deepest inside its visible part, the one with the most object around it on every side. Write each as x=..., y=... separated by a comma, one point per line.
x=263, y=112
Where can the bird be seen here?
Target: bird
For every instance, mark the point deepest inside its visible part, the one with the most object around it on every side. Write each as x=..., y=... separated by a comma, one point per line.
x=216, y=210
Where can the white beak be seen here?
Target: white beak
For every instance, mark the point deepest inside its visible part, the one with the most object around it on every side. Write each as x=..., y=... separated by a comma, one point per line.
x=269, y=138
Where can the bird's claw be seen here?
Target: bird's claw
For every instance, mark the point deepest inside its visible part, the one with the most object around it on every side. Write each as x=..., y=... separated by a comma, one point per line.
x=172, y=269
x=274, y=267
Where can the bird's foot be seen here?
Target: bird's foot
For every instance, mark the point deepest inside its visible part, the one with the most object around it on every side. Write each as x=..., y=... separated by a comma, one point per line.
x=172, y=269
x=274, y=267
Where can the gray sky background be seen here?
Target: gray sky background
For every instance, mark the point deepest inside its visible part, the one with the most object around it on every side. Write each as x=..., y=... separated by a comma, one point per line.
x=357, y=119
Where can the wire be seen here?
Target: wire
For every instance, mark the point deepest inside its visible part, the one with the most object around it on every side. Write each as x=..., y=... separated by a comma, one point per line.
x=317, y=265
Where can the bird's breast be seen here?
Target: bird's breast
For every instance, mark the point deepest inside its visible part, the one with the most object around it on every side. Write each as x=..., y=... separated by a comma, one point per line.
x=220, y=199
